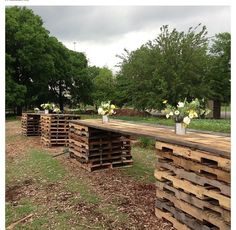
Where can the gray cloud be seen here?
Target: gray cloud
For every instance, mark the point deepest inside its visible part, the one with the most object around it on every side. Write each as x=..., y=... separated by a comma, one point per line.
x=106, y=23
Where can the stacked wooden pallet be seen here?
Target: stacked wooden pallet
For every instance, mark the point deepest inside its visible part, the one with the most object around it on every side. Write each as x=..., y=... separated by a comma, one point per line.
x=30, y=124
x=97, y=149
x=193, y=187
x=55, y=129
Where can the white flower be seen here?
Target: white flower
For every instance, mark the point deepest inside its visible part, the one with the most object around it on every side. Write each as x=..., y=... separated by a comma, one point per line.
x=56, y=110
x=167, y=115
x=186, y=120
x=191, y=115
x=100, y=110
x=111, y=112
x=171, y=114
x=176, y=112
x=180, y=104
x=106, y=108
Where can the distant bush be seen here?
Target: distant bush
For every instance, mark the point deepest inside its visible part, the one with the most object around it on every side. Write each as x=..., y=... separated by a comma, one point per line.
x=146, y=142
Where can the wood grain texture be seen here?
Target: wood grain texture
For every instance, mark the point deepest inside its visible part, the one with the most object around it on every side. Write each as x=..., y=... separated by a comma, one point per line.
x=202, y=215
x=196, y=179
x=55, y=129
x=200, y=156
x=214, y=144
x=30, y=124
x=169, y=217
x=180, y=217
x=183, y=217
x=193, y=200
x=203, y=169
x=199, y=191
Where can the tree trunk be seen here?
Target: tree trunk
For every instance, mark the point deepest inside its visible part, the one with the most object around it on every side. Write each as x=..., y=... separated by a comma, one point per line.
x=19, y=110
x=216, y=109
x=61, y=104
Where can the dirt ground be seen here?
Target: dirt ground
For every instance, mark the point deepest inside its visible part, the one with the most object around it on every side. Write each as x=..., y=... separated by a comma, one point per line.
x=132, y=197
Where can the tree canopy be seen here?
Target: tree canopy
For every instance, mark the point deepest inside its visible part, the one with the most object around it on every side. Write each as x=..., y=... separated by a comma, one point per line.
x=174, y=66
x=39, y=68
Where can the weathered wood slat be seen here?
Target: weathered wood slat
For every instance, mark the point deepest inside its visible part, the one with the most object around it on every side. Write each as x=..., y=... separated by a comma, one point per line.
x=169, y=217
x=98, y=149
x=214, y=144
x=30, y=124
x=182, y=217
x=198, y=191
x=55, y=129
x=193, y=200
x=203, y=169
x=193, y=177
x=200, y=156
x=202, y=215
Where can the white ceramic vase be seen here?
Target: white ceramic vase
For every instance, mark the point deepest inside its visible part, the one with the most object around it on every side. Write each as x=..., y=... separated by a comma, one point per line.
x=105, y=119
x=180, y=128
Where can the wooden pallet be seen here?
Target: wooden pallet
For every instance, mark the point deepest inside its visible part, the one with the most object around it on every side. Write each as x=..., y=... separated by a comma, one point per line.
x=190, y=165
x=196, y=155
x=30, y=124
x=199, y=191
x=103, y=165
x=96, y=149
x=195, y=178
x=193, y=200
x=193, y=187
x=178, y=216
x=55, y=129
x=170, y=218
x=202, y=215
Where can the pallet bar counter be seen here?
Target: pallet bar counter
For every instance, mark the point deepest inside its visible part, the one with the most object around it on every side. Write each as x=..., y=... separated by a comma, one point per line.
x=55, y=129
x=192, y=171
x=30, y=124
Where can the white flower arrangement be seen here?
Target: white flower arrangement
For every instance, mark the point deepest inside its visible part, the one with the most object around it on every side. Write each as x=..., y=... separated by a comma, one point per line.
x=56, y=110
x=184, y=111
x=48, y=105
x=36, y=110
x=106, y=108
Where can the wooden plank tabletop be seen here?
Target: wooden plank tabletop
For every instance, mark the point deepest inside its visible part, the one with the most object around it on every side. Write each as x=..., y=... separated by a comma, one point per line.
x=215, y=144
x=52, y=114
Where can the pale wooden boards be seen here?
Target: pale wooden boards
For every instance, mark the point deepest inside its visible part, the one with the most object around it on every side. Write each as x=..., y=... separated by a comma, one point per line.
x=96, y=149
x=215, y=144
x=193, y=187
x=55, y=129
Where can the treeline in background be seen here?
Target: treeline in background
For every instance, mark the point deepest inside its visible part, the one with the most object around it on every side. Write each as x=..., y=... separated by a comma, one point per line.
x=174, y=66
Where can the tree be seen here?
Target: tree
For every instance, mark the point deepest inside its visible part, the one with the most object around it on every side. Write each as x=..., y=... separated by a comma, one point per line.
x=219, y=71
x=15, y=93
x=40, y=67
x=81, y=85
x=171, y=67
x=103, y=86
x=26, y=41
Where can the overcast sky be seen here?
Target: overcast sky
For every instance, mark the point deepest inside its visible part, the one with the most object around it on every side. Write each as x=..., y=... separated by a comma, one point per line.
x=102, y=32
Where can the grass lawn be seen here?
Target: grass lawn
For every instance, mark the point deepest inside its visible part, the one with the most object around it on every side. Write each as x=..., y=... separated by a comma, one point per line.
x=214, y=125
x=59, y=195
x=39, y=171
